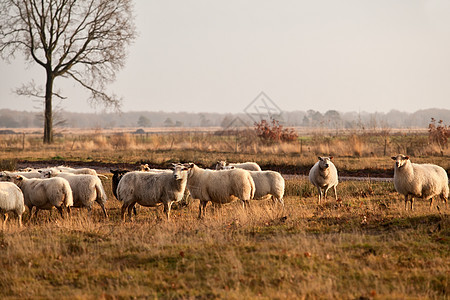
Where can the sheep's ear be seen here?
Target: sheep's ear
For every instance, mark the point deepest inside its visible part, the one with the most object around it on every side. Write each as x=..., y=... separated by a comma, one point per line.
x=331, y=157
x=18, y=177
x=406, y=157
x=232, y=167
x=394, y=157
x=320, y=158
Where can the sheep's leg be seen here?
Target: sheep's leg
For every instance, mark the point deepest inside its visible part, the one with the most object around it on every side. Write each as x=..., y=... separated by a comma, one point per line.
x=134, y=210
x=167, y=210
x=201, y=208
x=60, y=209
x=20, y=220
x=68, y=211
x=130, y=209
x=335, y=193
x=36, y=213
x=5, y=217
x=412, y=203
x=123, y=211
x=431, y=203
x=406, y=202
x=320, y=193
x=104, y=209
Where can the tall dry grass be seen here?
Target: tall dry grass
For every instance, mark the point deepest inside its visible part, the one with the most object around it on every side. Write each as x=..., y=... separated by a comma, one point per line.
x=365, y=246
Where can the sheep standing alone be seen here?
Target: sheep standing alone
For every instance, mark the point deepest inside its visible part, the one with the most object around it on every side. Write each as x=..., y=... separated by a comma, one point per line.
x=86, y=189
x=11, y=199
x=152, y=189
x=424, y=181
x=250, y=166
x=323, y=175
x=43, y=193
x=221, y=186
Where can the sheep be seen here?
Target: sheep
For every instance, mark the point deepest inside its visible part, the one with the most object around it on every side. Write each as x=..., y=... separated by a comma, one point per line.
x=86, y=189
x=87, y=171
x=250, y=166
x=28, y=174
x=43, y=193
x=152, y=189
x=222, y=186
x=268, y=183
x=11, y=199
x=117, y=176
x=146, y=168
x=323, y=175
x=424, y=181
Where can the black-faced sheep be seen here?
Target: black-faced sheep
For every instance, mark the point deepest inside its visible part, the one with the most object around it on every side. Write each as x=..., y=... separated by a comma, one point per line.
x=424, y=181
x=323, y=175
x=222, y=186
x=152, y=189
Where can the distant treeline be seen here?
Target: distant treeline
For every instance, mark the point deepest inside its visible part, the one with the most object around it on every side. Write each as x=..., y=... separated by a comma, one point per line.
x=311, y=118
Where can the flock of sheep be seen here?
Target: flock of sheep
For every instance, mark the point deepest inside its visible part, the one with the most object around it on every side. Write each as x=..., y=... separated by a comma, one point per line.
x=64, y=187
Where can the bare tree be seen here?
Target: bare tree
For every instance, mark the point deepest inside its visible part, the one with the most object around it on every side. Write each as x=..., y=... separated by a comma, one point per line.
x=82, y=40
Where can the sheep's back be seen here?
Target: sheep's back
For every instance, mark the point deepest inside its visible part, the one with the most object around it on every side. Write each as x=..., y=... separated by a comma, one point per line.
x=11, y=197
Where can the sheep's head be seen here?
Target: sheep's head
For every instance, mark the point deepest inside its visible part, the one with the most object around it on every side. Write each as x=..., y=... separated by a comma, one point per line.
x=4, y=176
x=46, y=173
x=177, y=171
x=400, y=160
x=145, y=168
x=324, y=162
x=221, y=164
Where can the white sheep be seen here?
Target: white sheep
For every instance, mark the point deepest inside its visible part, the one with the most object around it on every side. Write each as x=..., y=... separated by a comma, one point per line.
x=43, y=193
x=424, y=181
x=152, y=189
x=86, y=171
x=323, y=175
x=11, y=199
x=28, y=174
x=250, y=166
x=222, y=186
x=268, y=183
x=86, y=189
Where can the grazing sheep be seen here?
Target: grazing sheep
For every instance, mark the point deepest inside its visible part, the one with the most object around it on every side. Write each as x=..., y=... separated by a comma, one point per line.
x=86, y=189
x=11, y=199
x=268, y=183
x=250, y=166
x=152, y=189
x=221, y=186
x=323, y=175
x=43, y=193
x=424, y=181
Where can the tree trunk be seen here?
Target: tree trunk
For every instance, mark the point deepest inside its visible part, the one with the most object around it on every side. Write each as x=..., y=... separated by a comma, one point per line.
x=48, y=116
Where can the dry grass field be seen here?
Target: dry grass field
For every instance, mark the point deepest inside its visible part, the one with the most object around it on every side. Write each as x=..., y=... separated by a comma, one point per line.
x=365, y=246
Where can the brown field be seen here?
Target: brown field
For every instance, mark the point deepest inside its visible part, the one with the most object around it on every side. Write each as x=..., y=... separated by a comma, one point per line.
x=364, y=247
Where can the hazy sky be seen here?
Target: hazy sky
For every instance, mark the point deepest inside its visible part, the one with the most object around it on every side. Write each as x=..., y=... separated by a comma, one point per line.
x=217, y=56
